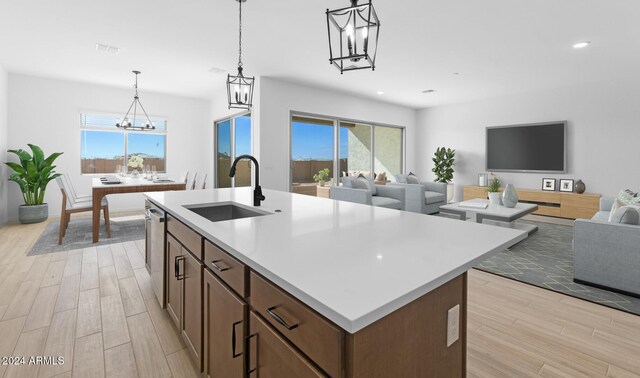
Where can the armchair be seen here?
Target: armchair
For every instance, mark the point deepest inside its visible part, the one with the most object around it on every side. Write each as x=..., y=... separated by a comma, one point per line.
x=607, y=254
x=425, y=198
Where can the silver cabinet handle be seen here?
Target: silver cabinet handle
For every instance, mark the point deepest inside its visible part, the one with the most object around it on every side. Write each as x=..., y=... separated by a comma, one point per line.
x=278, y=318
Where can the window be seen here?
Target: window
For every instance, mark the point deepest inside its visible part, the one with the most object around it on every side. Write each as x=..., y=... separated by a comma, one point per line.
x=232, y=139
x=344, y=147
x=106, y=149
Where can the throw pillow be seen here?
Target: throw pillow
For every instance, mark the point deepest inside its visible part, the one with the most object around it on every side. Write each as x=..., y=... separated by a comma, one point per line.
x=626, y=215
x=370, y=184
x=347, y=182
x=360, y=183
x=401, y=179
x=623, y=199
x=412, y=179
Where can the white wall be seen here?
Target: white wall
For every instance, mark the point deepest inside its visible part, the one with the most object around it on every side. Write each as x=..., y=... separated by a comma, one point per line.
x=45, y=112
x=3, y=147
x=279, y=98
x=603, y=134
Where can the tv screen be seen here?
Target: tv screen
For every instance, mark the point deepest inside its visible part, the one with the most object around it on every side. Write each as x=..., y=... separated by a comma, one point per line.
x=537, y=147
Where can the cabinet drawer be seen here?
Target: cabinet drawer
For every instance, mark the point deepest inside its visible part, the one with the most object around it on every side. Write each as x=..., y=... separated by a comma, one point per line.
x=185, y=236
x=272, y=356
x=319, y=339
x=230, y=270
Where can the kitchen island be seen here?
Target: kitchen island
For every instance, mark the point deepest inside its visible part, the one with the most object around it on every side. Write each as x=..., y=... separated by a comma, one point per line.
x=316, y=287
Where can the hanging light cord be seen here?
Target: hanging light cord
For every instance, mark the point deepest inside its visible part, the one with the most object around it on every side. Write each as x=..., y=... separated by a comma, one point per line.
x=240, y=36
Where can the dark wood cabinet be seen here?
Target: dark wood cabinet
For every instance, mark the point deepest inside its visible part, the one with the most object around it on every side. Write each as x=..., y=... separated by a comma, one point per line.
x=224, y=328
x=270, y=355
x=184, y=287
x=192, y=305
x=174, y=286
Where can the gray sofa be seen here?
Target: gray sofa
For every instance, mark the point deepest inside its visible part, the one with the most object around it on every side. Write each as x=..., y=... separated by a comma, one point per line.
x=425, y=198
x=386, y=196
x=607, y=254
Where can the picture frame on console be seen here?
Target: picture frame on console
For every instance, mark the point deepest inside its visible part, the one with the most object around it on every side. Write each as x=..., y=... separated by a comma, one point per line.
x=566, y=185
x=549, y=184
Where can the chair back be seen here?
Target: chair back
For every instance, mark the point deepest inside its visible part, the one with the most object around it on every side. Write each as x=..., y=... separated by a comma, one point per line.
x=71, y=191
x=184, y=177
x=202, y=182
x=192, y=182
x=67, y=200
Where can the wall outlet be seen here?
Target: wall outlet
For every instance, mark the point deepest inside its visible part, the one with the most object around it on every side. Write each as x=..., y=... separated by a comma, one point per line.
x=453, y=325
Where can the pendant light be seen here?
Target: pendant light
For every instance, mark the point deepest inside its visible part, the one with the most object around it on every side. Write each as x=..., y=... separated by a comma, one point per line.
x=353, y=36
x=126, y=122
x=239, y=87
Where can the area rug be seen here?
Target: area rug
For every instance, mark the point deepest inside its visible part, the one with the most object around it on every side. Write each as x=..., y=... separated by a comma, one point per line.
x=79, y=234
x=545, y=259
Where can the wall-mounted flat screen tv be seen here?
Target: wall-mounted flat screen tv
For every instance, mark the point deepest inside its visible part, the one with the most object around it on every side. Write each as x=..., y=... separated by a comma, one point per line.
x=539, y=147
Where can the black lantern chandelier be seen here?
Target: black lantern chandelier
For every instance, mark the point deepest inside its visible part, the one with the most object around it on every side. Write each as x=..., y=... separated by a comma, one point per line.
x=240, y=88
x=129, y=124
x=353, y=36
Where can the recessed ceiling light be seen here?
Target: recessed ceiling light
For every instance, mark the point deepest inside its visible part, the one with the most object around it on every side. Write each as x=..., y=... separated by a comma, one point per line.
x=112, y=50
x=581, y=45
x=428, y=91
x=380, y=93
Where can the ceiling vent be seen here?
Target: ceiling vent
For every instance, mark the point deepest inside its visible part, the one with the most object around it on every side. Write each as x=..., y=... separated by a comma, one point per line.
x=111, y=50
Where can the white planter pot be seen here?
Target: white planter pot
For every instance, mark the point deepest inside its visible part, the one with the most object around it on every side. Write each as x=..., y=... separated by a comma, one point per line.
x=494, y=199
x=450, y=192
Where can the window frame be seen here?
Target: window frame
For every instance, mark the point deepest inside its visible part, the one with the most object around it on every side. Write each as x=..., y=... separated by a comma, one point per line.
x=337, y=122
x=232, y=133
x=125, y=133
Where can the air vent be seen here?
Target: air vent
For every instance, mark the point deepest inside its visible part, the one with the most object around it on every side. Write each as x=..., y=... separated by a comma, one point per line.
x=216, y=70
x=111, y=50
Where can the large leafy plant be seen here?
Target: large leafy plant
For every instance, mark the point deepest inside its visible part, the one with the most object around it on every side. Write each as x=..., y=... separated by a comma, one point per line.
x=444, y=159
x=33, y=173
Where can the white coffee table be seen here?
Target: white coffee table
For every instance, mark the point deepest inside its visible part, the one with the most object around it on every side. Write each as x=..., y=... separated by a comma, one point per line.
x=493, y=214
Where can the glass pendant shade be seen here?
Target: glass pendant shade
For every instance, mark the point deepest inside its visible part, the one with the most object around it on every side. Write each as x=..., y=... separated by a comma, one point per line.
x=353, y=36
x=240, y=90
x=239, y=87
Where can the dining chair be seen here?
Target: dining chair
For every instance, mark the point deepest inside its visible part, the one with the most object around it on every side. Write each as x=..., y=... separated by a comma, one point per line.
x=70, y=206
x=72, y=191
x=184, y=177
x=191, y=184
x=201, y=183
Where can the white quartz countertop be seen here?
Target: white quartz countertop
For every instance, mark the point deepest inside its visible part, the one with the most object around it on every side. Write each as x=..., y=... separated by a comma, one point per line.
x=352, y=263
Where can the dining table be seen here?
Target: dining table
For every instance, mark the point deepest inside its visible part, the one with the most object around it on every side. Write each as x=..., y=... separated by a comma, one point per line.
x=102, y=187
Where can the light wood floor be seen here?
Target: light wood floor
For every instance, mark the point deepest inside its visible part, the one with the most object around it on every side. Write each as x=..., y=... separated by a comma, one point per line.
x=96, y=308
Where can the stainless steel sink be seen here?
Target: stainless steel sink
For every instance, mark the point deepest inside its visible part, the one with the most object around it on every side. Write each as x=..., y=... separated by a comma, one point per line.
x=223, y=211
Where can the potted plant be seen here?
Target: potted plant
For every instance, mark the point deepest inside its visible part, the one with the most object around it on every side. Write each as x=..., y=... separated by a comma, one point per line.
x=33, y=175
x=321, y=176
x=494, y=190
x=135, y=162
x=444, y=160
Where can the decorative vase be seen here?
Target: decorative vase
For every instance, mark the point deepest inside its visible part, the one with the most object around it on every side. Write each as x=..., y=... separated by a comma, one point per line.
x=450, y=192
x=580, y=187
x=510, y=196
x=494, y=199
x=321, y=183
x=135, y=173
x=33, y=213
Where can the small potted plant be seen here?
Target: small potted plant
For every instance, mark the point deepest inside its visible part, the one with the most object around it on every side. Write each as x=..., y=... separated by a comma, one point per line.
x=321, y=176
x=444, y=160
x=33, y=174
x=494, y=190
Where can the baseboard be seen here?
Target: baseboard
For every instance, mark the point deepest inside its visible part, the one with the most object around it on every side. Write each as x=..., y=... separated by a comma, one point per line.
x=607, y=288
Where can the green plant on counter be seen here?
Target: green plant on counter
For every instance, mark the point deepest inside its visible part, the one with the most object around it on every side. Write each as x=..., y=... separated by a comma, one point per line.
x=494, y=184
x=444, y=159
x=33, y=173
x=322, y=175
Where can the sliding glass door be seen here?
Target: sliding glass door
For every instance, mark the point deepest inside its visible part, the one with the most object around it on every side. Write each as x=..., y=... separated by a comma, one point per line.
x=342, y=148
x=232, y=138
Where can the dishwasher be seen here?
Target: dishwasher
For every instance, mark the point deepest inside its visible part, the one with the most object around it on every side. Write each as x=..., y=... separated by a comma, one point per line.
x=154, y=254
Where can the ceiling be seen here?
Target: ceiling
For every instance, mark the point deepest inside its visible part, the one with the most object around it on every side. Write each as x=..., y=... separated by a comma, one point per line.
x=498, y=47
